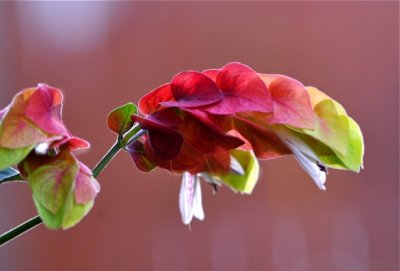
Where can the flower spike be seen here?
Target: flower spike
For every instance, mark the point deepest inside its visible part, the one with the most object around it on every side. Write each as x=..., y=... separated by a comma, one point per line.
x=34, y=138
x=216, y=124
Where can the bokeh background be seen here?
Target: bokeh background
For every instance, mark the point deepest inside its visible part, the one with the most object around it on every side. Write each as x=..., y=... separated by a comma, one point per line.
x=105, y=54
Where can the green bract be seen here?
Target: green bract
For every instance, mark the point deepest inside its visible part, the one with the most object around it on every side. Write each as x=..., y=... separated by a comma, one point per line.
x=337, y=139
x=51, y=186
x=63, y=191
x=246, y=182
x=119, y=120
x=10, y=157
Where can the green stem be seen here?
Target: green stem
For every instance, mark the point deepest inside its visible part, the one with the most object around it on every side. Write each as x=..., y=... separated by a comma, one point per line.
x=13, y=179
x=20, y=229
x=13, y=175
x=128, y=138
x=106, y=159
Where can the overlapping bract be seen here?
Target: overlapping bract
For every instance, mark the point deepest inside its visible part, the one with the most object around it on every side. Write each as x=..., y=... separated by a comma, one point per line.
x=214, y=125
x=197, y=121
x=34, y=138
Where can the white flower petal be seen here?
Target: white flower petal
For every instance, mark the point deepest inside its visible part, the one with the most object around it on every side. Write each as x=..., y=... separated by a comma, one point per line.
x=198, y=211
x=185, y=195
x=211, y=180
x=306, y=158
x=41, y=148
x=236, y=167
x=190, y=203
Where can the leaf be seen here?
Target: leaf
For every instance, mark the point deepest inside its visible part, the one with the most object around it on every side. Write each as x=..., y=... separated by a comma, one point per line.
x=119, y=120
x=9, y=174
x=243, y=183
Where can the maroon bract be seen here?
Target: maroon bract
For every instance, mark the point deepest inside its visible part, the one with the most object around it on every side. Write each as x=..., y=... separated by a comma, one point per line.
x=235, y=110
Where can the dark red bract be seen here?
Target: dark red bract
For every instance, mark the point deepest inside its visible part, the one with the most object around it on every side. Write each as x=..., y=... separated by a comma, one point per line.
x=197, y=119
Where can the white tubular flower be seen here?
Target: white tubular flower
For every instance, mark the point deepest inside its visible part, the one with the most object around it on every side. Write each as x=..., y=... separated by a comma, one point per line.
x=190, y=202
x=236, y=167
x=214, y=182
x=309, y=162
x=42, y=148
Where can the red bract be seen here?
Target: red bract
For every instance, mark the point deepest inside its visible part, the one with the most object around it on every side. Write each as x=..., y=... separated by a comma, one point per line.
x=186, y=90
x=215, y=124
x=139, y=156
x=213, y=139
x=152, y=101
x=193, y=89
x=44, y=109
x=221, y=110
x=236, y=108
x=169, y=131
x=243, y=91
x=188, y=160
x=34, y=117
x=165, y=140
x=207, y=105
x=86, y=187
x=264, y=142
x=234, y=88
x=291, y=100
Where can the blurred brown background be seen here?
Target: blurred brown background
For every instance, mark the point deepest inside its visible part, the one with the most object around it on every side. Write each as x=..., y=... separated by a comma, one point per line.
x=105, y=54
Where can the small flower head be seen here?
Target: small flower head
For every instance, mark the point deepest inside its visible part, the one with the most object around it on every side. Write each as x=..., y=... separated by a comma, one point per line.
x=34, y=138
x=201, y=123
